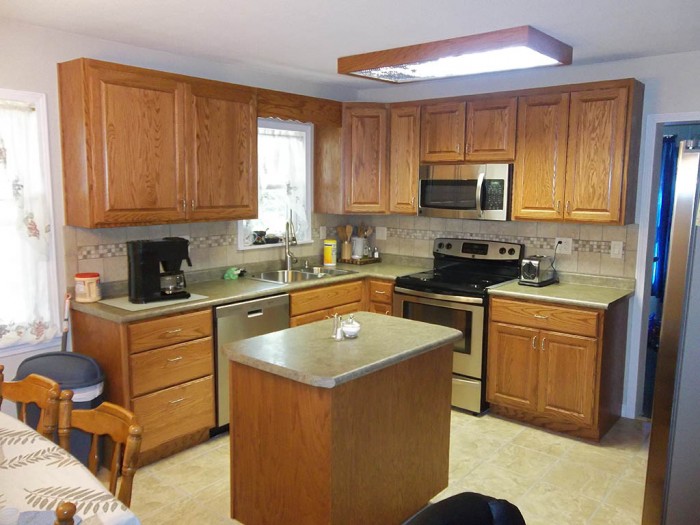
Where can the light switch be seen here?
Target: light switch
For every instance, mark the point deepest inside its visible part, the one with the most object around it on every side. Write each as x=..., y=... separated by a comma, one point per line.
x=322, y=232
x=380, y=233
x=616, y=249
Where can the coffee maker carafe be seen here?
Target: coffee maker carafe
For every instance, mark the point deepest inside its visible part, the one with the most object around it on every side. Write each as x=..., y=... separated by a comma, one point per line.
x=147, y=283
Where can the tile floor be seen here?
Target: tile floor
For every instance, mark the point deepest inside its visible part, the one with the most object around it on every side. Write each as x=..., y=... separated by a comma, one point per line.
x=551, y=478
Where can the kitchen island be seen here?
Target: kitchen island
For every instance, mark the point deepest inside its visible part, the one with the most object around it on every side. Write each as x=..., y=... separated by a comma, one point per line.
x=351, y=431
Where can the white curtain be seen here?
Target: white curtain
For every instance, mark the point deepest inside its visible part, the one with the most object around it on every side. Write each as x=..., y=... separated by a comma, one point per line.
x=27, y=314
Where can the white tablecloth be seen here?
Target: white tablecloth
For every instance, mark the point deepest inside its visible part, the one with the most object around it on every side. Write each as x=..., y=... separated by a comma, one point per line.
x=37, y=475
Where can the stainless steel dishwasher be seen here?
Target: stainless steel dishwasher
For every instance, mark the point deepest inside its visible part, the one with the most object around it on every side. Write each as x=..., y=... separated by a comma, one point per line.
x=240, y=321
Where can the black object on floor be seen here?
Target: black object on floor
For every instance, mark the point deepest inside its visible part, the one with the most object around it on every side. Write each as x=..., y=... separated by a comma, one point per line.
x=469, y=508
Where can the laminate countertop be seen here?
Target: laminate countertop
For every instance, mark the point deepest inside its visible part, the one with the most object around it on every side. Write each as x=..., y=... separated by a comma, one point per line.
x=308, y=354
x=220, y=291
x=570, y=293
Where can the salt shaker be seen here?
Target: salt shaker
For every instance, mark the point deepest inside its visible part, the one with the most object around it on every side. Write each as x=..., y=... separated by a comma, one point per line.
x=337, y=327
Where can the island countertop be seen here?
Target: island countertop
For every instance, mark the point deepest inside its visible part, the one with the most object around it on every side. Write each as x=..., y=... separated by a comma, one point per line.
x=308, y=354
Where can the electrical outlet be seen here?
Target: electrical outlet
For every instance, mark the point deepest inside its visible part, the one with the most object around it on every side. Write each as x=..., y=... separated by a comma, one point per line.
x=616, y=249
x=322, y=232
x=563, y=245
x=380, y=233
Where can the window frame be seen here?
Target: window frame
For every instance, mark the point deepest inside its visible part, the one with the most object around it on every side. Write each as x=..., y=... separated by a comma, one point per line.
x=38, y=100
x=287, y=125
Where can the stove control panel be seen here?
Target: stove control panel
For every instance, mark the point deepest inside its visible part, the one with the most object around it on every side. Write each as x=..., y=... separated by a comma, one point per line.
x=478, y=249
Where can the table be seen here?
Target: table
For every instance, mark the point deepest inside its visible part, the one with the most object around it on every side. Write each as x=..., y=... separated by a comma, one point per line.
x=37, y=475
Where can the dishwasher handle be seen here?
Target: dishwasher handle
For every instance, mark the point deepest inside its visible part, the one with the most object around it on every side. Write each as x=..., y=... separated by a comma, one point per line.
x=252, y=308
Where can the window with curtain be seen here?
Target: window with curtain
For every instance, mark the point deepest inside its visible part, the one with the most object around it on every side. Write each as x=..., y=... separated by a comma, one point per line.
x=28, y=306
x=284, y=183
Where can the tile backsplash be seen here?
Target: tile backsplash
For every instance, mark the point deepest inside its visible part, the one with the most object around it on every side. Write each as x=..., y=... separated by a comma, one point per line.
x=215, y=244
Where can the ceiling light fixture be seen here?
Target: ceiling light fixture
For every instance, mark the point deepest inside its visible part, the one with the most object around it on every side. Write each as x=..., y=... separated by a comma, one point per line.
x=515, y=48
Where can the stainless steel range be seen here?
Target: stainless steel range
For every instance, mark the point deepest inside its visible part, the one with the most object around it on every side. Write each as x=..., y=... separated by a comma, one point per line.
x=454, y=294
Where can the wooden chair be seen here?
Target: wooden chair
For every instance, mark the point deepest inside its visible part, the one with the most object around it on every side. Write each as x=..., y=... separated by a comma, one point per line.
x=110, y=420
x=65, y=513
x=41, y=391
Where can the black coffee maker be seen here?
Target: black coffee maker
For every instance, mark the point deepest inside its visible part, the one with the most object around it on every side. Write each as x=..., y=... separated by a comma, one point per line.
x=147, y=283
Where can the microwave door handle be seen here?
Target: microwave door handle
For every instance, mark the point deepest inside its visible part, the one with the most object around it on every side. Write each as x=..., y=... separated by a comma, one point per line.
x=479, y=184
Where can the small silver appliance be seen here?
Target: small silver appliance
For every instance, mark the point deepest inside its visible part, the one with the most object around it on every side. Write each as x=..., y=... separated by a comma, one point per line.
x=537, y=270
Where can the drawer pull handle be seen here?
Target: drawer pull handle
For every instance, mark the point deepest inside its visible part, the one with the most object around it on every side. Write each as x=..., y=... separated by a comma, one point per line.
x=174, y=359
x=176, y=401
x=380, y=292
x=538, y=316
x=175, y=331
x=534, y=342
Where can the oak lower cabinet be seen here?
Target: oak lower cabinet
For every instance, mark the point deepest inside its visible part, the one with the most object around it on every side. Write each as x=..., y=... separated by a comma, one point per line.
x=307, y=306
x=577, y=154
x=147, y=147
x=162, y=369
x=380, y=296
x=560, y=367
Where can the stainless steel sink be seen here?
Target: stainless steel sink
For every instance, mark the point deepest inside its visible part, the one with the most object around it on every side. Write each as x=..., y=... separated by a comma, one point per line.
x=286, y=276
x=291, y=276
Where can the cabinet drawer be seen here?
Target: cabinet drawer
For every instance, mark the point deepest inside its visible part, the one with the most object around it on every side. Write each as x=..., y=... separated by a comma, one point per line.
x=171, y=365
x=318, y=315
x=381, y=308
x=174, y=412
x=165, y=331
x=325, y=297
x=381, y=291
x=546, y=316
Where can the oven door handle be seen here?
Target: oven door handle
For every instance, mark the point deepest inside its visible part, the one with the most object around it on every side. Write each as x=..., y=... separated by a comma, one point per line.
x=477, y=301
x=479, y=185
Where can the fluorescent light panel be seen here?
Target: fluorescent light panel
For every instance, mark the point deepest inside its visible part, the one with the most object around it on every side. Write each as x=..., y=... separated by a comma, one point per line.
x=516, y=48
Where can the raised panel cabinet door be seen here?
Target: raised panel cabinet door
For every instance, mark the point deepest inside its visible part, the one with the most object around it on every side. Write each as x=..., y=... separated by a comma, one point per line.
x=222, y=132
x=442, y=132
x=540, y=161
x=596, y=155
x=138, y=156
x=491, y=130
x=568, y=377
x=512, y=366
x=364, y=159
x=404, y=146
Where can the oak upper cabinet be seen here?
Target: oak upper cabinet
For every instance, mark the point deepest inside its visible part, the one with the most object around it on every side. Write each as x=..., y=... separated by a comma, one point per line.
x=490, y=133
x=404, y=141
x=145, y=147
x=575, y=152
x=365, y=174
x=223, y=127
x=442, y=132
x=540, y=164
x=557, y=366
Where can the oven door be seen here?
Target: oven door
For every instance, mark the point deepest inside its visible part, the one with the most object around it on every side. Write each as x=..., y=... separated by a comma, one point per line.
x=468, y=355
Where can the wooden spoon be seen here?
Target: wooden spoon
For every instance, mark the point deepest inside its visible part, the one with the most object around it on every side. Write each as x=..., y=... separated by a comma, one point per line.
x=348, y=231
x=341, y=233
x=368, y=231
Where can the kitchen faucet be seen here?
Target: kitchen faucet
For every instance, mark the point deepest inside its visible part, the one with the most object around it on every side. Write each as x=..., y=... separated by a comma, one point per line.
x=290, y=239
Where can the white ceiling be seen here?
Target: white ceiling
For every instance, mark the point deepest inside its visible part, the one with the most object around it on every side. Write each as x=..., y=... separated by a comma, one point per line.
x=304, y=38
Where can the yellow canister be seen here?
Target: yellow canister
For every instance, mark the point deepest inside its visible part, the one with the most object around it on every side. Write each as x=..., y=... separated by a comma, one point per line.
x=330, y=252
x=87, y=287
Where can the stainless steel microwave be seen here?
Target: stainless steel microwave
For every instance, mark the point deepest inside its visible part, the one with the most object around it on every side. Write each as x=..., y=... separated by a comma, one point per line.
x=465, y=191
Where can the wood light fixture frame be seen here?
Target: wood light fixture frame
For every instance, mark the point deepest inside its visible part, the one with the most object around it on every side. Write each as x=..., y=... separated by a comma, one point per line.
x=524, y=36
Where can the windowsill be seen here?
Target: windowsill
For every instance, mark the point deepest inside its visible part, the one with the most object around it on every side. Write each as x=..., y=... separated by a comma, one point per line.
x=9, y=351
x=273, y=245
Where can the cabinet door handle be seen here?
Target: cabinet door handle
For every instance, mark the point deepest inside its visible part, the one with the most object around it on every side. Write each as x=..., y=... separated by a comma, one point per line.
x=413, y=201
x=558, y=206
x=568, y=207
x=458, y=148
x=538, y=316
x=174, y=331
x=184, y=205
x=193, y=205
x=543, y=343
x=387, y=313
x=174, y=359
x=534, y=342
x=176, y=401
